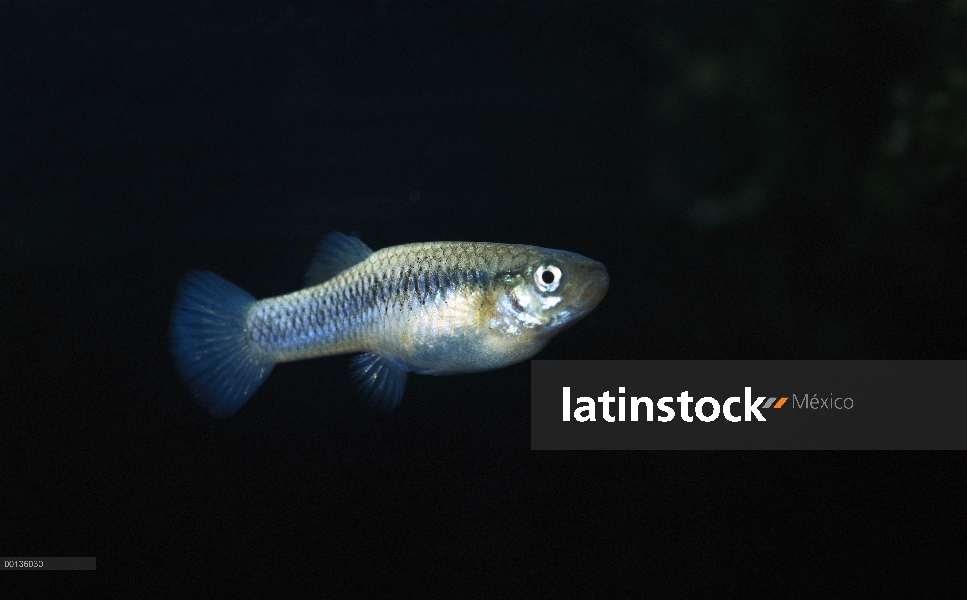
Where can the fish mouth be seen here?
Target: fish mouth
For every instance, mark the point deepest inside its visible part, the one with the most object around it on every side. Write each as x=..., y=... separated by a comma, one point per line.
x=590, y=284
x=596, y=282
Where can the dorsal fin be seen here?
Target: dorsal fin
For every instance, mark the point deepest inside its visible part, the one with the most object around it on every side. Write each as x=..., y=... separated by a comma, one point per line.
x=334, y=254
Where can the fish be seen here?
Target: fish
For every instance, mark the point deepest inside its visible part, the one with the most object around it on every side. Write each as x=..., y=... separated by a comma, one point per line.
x=435, y=308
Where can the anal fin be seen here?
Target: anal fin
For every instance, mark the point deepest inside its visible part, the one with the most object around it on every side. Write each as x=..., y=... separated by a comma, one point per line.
x=381, y=381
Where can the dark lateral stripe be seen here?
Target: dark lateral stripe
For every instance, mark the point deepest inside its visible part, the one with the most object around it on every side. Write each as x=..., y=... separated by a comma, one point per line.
x=375, y=290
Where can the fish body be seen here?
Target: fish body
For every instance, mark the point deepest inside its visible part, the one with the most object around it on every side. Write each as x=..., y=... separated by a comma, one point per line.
x=431, y=308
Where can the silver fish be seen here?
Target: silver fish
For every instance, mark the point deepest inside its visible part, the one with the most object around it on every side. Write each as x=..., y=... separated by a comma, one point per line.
x=435, y=308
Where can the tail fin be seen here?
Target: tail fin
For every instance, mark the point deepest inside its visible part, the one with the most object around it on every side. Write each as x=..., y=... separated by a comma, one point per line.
x=208, y=341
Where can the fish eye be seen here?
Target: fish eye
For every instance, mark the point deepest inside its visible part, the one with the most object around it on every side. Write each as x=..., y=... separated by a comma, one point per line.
x=547, y=278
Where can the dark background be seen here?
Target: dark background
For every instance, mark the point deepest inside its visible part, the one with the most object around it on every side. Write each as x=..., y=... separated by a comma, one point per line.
x=763, y=180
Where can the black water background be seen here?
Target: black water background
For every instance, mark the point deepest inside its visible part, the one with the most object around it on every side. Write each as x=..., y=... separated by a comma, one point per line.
x=140, y=142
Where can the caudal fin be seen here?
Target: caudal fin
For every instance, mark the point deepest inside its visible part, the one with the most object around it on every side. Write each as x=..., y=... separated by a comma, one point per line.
x=212, y=353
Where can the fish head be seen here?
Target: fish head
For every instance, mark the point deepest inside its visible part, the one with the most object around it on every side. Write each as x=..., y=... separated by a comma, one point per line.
x=546, y=292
